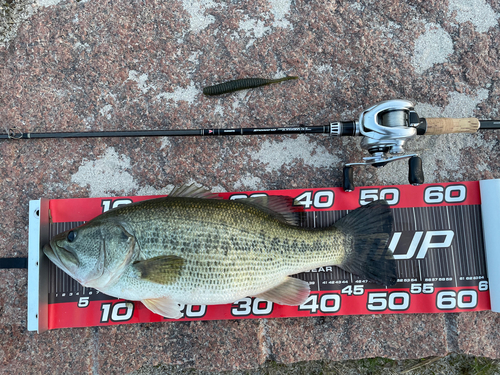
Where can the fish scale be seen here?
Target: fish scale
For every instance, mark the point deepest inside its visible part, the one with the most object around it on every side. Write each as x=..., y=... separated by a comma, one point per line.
x=252, y=257
x=193, y=250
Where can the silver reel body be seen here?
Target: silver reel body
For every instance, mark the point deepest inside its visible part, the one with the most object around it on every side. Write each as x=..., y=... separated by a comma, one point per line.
x=385, y=128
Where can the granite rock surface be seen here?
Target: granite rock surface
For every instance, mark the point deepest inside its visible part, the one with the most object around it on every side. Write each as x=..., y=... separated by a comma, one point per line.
x=132, y=65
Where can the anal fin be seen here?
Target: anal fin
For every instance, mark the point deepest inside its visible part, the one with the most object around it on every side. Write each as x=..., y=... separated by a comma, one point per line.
x=165, y=307
x=291, y=292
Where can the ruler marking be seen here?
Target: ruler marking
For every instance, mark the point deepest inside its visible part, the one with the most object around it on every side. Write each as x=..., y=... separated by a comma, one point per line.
x=418, y=265
x=479, y=226
x=476, y=243
x=455, y=280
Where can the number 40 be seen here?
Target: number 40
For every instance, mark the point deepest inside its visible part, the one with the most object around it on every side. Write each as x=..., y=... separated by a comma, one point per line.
x=318, y=199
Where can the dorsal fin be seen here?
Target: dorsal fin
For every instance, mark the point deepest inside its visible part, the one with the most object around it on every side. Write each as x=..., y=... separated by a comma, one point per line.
x=279, y=206
x=192, y=191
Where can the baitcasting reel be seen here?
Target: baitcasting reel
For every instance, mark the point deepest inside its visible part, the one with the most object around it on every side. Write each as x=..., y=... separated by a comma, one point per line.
x=385, y=128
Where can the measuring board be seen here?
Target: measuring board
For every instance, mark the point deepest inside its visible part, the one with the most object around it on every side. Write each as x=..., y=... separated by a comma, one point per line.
x=438, y=241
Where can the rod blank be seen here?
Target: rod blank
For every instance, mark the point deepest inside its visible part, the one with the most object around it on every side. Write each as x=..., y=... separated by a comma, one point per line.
x=349, y=129
x=171, y=133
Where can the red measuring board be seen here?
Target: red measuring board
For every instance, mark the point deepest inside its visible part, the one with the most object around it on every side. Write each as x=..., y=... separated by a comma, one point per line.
x=437, y=241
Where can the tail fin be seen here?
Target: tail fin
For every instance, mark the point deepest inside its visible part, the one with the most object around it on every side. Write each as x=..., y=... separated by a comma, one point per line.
x=369, y=227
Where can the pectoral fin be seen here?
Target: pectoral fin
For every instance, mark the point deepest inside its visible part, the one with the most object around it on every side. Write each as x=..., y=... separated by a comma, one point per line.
x=164, y=307
x=161, y=270
x=290, y=292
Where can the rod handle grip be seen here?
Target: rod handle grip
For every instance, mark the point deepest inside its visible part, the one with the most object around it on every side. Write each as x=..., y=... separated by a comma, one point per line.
x=451, y=125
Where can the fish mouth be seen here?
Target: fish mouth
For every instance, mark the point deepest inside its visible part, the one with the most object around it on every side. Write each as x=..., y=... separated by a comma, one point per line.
x=63, y=259
x=51, y=254
x=60, y=261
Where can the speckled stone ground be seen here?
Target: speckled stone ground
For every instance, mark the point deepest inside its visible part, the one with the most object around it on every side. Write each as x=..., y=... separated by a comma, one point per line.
x=127, y=64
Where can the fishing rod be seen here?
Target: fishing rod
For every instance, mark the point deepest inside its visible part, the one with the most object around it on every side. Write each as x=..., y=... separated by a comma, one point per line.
x=385, y=128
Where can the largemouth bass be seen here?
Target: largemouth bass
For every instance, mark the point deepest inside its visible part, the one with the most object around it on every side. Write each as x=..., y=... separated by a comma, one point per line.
x=190, y=248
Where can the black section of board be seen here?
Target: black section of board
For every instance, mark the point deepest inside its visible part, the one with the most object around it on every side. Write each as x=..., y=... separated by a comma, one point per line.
x=417, y=238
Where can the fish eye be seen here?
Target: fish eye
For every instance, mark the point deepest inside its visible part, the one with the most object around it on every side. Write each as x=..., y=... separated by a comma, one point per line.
x=71, y=236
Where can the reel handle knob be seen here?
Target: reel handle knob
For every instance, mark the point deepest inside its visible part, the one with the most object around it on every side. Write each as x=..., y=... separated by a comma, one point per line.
x=347, y=182
x=415, y=173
